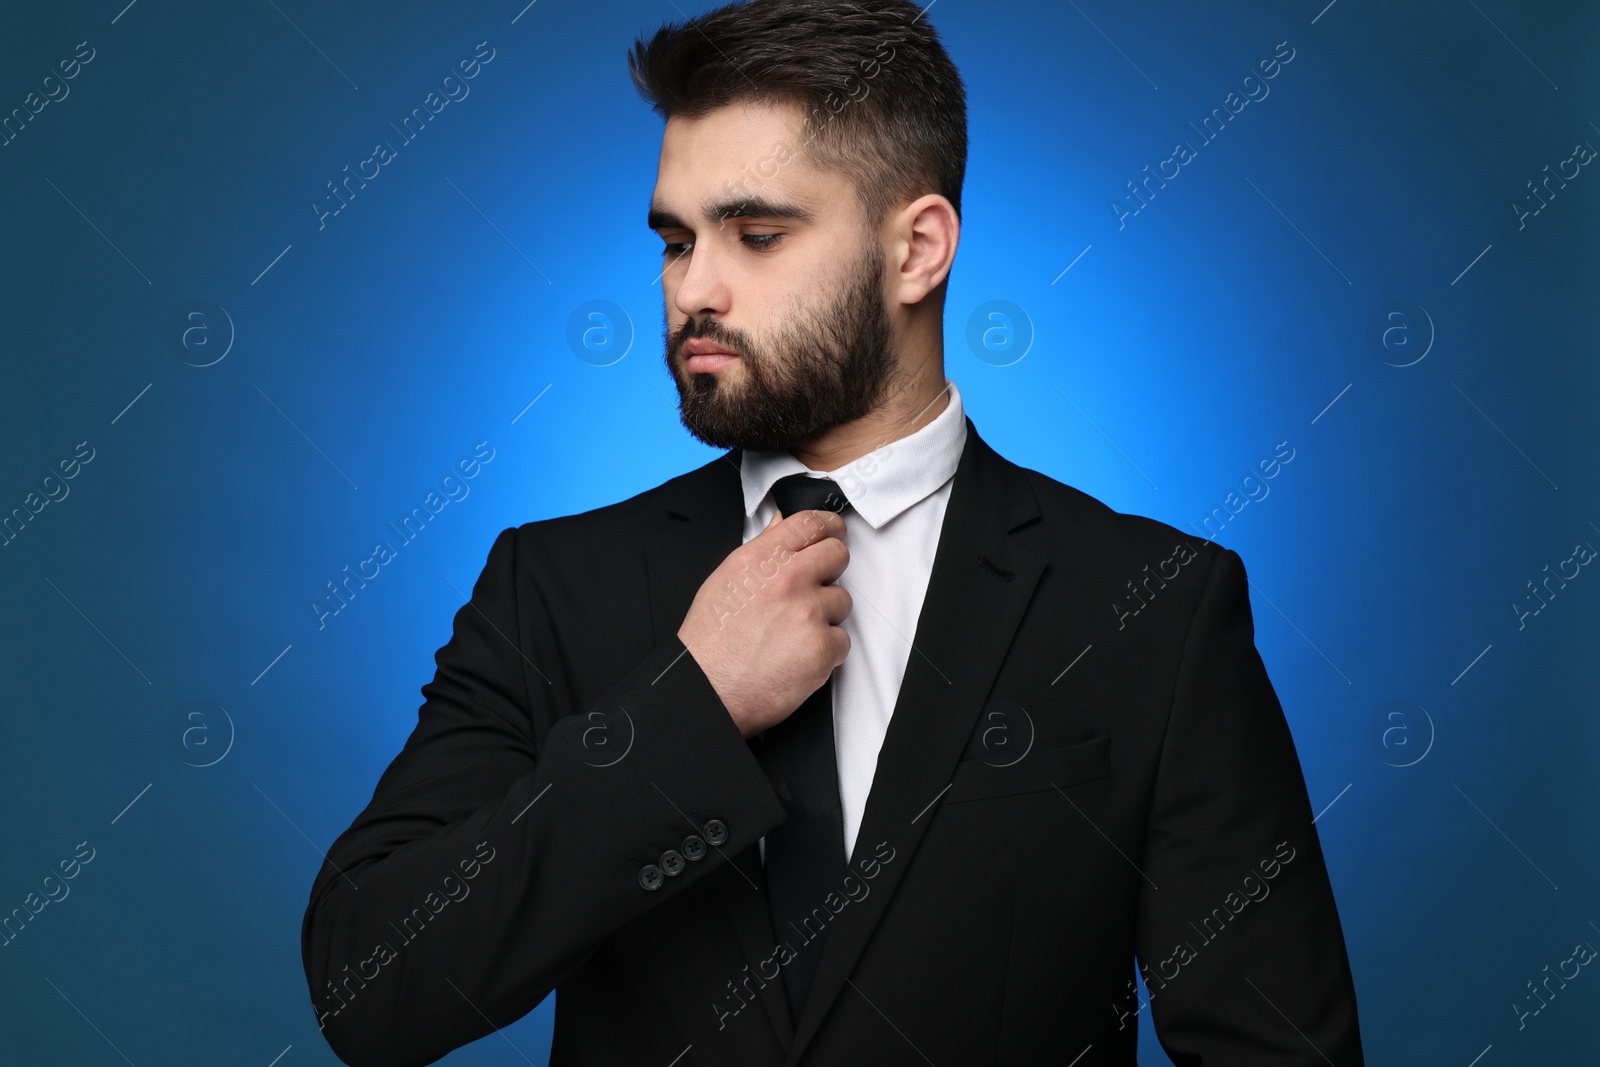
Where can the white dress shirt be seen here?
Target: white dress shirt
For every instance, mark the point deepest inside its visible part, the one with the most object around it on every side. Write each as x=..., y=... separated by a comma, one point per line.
x=897, y=495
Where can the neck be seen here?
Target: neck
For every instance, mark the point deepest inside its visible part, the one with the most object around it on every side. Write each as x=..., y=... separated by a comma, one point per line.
x=906, y=410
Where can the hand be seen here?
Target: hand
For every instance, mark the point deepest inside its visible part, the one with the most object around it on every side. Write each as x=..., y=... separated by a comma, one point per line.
x=764, y=627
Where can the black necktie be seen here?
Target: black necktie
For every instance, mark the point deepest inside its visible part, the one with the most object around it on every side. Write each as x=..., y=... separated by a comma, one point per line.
x=805, y=854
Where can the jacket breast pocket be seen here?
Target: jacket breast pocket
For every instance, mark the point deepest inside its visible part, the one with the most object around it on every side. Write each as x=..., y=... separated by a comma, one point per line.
x=1040, y=769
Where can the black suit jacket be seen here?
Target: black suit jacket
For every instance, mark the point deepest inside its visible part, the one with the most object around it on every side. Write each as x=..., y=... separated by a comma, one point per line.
x=1086, y=762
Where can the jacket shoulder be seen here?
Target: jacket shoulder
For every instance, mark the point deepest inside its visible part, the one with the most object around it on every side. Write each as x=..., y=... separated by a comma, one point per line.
x=601, y=529
x=1105, y=532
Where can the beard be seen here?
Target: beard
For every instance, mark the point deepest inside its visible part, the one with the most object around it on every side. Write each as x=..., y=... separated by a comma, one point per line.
x=826, y=367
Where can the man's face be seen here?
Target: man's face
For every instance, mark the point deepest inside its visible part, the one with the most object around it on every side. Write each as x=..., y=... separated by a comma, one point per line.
x=781, y=272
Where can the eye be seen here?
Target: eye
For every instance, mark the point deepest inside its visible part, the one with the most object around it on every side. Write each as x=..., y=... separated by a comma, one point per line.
x=763, y=242
x=757, y=242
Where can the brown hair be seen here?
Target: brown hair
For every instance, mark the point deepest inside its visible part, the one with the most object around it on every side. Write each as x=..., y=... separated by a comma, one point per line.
x=884, y=104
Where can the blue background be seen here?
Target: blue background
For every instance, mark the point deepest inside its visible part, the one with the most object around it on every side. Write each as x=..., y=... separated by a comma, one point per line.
x=1234, y=311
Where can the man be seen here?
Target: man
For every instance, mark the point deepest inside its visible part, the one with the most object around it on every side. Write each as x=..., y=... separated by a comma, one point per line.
x=913, y=764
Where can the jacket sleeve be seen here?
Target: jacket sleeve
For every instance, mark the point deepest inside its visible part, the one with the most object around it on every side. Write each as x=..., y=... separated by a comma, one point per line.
x=510, y=836
x=1238, y=938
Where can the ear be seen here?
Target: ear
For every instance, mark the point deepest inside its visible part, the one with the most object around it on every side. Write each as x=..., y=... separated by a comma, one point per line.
x=921, y=239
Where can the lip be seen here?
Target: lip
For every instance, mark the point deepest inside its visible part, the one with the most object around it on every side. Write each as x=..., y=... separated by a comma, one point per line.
x=702, y=356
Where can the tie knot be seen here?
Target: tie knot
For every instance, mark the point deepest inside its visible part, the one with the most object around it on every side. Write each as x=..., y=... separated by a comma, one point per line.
x=802, y=492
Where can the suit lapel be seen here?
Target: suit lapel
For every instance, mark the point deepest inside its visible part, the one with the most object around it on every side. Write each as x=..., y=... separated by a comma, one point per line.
x=969, y=614
x=703, y=521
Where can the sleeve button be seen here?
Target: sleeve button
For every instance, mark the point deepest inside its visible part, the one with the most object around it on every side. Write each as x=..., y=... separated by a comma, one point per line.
x=672, y=863
x=694, y=848
x=716, y=832
x=650, y=876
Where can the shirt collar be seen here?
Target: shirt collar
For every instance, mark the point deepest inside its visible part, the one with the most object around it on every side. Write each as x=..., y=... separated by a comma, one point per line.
x=883, y=483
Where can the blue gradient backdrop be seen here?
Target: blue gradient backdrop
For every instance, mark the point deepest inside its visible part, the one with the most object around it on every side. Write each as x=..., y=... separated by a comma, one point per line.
x=159, y=609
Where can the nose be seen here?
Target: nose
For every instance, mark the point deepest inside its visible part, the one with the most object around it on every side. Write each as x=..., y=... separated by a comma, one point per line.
x=700, y=285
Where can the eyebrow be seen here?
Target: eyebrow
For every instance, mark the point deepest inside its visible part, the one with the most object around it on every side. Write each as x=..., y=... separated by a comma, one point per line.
x=717, y=211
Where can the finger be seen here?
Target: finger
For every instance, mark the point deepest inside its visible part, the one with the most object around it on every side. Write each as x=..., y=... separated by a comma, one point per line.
x=824, y=561
x=836, y=604
x=806, y=528
x=841, y=640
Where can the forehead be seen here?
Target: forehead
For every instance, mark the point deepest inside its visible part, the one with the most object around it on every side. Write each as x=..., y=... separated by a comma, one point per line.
x=745, y=149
